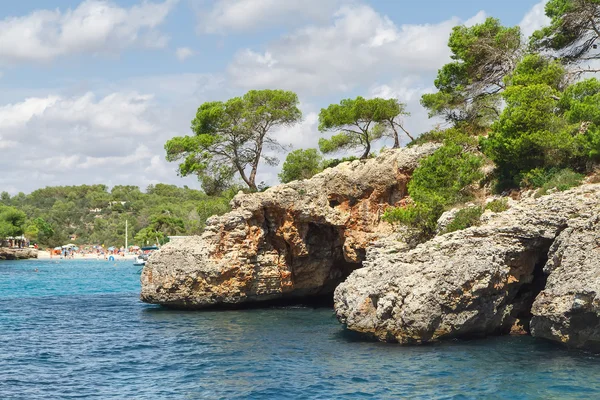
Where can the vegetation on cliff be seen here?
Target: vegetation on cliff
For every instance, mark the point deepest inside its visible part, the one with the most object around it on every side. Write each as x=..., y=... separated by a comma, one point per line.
x=526, y=109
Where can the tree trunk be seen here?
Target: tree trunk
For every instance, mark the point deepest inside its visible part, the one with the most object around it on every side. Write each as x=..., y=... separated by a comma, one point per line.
x=396, y=139
x=255, y=162
x=367, y=151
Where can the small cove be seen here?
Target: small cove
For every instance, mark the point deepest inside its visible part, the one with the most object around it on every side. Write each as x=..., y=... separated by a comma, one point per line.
x=76, y=329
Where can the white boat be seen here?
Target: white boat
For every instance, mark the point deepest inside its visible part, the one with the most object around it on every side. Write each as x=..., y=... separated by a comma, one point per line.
x=141, y=259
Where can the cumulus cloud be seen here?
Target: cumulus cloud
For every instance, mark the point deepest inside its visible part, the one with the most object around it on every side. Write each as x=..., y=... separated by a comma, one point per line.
x=358, y=46
x=82, y=139
x=95, y=26
x=534, y=19
x=85, y=115
x=183, y=53
x=248, y=15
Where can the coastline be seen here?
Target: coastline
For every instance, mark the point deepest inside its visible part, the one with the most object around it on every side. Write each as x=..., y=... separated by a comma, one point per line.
x=17, y=254
x=45, y=255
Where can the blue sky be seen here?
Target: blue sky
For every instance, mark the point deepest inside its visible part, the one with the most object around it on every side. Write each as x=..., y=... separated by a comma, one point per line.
x=91, y=90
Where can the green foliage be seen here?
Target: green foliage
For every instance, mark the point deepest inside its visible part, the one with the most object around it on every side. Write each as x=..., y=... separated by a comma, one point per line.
x=337, y=161
x=572, y=32
x=445, y=174
x=12, y=222
x=38, y=230
x=498, y=205
x=458, y=135
x=530, y=133
x=359, y=122
x=301, y=164
x=421, y=216
x=467, y=87
x=559, y=179
x=534, y=69
x=148, y=236
x=562, y=180
x=96, y=216
x=229, y=137
x=465, y=218
x=440, y=181
x=580, y=104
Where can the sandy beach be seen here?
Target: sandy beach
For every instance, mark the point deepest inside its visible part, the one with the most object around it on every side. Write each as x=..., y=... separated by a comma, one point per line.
x=45, y=255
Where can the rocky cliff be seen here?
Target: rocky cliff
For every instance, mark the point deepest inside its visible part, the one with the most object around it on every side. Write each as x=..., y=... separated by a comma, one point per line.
x=17, y=254
x=295, y=240
x=535, y=267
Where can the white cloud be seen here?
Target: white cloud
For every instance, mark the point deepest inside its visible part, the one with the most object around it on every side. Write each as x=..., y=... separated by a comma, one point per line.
x=534, y=19
x=183, y=53
x=95, y=26
x=117, y=112
x=358, y=47
x=246, y=15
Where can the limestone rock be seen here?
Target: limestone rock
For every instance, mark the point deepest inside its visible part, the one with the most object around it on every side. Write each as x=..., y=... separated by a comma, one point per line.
x=17, y=254
x=294, y=240
x=474, y=282
x=568, y=309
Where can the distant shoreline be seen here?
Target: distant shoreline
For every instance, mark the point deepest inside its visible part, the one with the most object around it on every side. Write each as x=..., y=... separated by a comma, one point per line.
x=45, y=255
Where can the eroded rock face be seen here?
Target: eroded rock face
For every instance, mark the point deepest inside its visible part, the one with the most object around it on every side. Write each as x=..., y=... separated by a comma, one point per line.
x=295, y=240
x=17, y=254
x=479, y=281
x=568, y=309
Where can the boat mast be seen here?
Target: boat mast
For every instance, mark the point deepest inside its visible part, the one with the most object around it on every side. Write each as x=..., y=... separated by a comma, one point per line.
x=126, y=247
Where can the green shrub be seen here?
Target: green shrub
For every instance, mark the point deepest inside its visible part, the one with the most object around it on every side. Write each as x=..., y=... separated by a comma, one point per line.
x=465, y=218
x=301, y=164
x=438, y=182
x=334, y=162
x=561, y=180
x=537, y=177
x=498, y=205
x=546, y=179
x=445, y=173
x=421, y=216
x=455, y=135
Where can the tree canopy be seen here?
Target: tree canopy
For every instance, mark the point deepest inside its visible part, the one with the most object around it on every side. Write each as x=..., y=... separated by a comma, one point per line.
x=12, y=222
x=468, y=87
x=96, y=215
x=301, y=164
x=357, y=123
x=573, y=30
x=230, y=137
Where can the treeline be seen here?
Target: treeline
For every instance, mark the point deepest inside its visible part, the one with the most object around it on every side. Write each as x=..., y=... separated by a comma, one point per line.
x=530, y=107
x=95, y=215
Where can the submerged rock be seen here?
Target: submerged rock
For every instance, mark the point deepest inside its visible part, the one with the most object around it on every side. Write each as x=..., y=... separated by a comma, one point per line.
x=295, y=240
x=478, y=281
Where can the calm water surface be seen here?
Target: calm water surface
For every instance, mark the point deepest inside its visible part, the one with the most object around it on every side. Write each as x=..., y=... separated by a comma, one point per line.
x=76, y=330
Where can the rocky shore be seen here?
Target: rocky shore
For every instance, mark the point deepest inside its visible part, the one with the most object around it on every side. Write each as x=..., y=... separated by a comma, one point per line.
x=532, y=269
x=17, y=254
x=291, y=241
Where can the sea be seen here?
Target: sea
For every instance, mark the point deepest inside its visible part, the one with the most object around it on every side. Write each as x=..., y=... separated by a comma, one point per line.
x=76, y=329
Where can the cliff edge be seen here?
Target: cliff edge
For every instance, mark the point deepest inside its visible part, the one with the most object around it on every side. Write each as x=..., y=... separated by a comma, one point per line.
x=296, y=240
x=534, y=268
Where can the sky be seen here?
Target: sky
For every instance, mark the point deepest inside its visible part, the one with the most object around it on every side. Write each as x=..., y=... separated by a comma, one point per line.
x=91, y=90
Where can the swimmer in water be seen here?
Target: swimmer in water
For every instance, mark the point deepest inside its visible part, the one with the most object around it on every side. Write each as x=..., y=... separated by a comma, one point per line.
x=36, y=270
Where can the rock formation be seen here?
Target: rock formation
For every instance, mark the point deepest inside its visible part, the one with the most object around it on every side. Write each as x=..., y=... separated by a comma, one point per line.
x=483, y=280
x=295, y=240
x=17, y=254
x=568, y=309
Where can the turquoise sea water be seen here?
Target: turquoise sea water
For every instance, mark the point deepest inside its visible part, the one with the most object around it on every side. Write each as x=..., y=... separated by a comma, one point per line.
x=76, y=330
